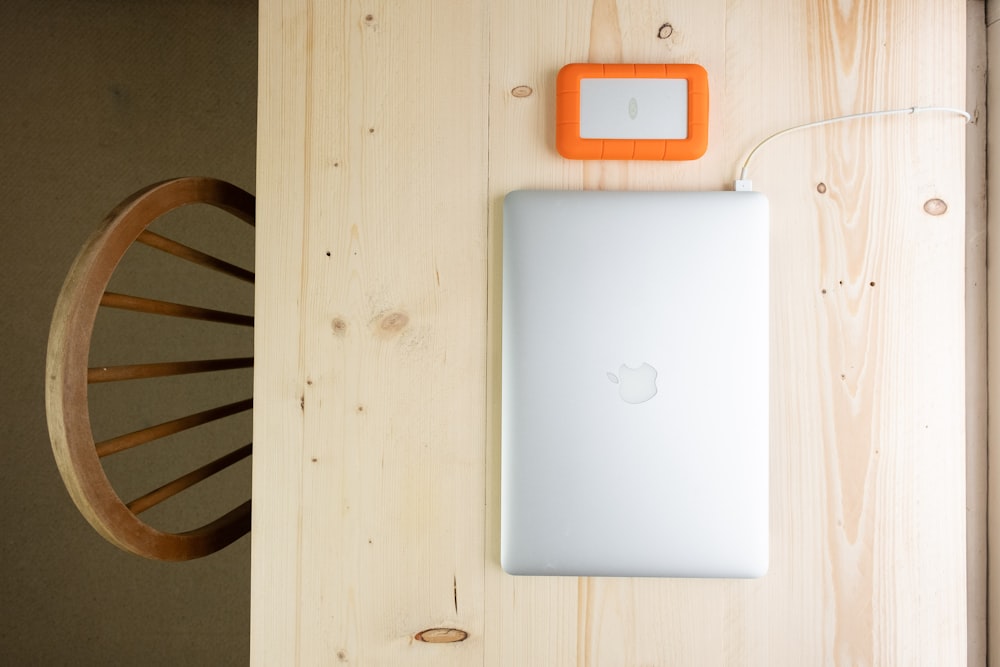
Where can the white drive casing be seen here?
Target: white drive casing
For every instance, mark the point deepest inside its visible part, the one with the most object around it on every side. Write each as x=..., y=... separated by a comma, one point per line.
x=634, y=108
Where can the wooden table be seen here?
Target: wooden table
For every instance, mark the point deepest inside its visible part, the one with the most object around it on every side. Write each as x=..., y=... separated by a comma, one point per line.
x=389, y=133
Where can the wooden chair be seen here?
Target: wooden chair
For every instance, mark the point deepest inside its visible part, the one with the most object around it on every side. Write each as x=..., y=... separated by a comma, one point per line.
x=67, y=374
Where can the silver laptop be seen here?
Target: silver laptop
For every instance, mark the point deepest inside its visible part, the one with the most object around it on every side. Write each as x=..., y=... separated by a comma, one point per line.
x=635, y=384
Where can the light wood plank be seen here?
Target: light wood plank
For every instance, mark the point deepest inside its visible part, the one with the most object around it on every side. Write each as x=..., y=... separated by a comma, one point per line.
x=378, y=287
x=276, y=582
x=868, y=449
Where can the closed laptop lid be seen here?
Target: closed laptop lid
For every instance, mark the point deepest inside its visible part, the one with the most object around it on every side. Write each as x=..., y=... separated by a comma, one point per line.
x=635, y=384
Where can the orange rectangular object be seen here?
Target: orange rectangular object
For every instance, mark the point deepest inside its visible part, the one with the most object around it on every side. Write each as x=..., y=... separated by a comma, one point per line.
x=572, y=145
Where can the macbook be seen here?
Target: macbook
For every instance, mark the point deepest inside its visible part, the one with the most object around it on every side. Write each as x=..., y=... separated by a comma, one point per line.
x=635, y=384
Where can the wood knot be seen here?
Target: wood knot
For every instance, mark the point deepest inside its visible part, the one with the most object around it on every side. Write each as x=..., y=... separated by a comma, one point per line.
x=393, y=322
x=821, y=188
x=441, y=635
x=339, y=326
x=935, y=206
x=665, y=31
x=521, y=91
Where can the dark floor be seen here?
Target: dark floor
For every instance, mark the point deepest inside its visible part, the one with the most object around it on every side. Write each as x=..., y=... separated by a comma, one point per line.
x=99, y=99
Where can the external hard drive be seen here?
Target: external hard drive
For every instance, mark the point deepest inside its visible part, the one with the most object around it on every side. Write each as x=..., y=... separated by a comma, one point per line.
x=632, y=112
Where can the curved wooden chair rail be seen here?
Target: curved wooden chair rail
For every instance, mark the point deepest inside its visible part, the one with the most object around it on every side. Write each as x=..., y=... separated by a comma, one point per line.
x=67, y=374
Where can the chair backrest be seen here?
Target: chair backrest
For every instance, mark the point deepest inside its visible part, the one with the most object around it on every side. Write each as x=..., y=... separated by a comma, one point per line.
x=68, y=376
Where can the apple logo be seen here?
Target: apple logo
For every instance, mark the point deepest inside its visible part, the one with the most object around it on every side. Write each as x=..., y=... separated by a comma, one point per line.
x=635, y=385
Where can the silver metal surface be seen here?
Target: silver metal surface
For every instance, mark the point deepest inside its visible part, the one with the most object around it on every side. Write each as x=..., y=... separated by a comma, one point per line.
x=601, y=477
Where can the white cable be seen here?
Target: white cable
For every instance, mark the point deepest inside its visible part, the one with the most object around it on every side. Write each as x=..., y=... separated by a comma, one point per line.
x=839, y=119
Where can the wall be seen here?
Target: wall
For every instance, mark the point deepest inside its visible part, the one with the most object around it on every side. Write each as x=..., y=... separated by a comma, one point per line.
x=976, y=370
x=99, y=99
x=993, y=290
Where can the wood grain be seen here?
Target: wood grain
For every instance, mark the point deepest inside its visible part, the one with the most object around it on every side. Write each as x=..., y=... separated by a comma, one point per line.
x=379, y=190
x=371, y=295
